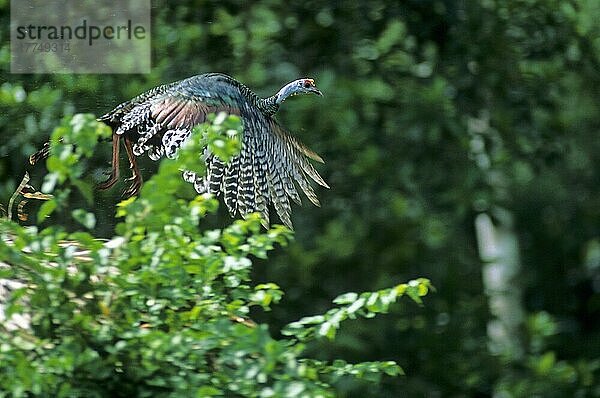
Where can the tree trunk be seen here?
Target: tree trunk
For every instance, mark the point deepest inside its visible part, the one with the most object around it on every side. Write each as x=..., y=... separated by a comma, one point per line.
x=499, y=253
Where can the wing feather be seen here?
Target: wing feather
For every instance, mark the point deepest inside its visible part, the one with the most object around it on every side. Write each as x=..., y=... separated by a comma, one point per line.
x=272, y=162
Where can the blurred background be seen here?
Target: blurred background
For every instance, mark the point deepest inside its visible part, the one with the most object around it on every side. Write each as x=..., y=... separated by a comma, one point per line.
x=461, y=145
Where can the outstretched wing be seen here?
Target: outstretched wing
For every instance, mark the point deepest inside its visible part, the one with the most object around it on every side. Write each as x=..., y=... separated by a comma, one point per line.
x=159, y=120
x=271, y=165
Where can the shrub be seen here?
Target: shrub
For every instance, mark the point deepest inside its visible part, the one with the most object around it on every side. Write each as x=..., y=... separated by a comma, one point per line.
x=161, y=309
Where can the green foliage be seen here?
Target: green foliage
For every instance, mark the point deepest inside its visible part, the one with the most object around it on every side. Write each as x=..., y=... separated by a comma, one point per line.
x=366, y=305
x=74, y=139
x=163, y=308
x=545, y=374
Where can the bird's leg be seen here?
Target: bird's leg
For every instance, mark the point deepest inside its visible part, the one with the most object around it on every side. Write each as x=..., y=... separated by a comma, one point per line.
x=136, y=177
x=114, y=172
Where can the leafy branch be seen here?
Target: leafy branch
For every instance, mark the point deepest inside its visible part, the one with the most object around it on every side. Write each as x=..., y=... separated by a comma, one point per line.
x=353, y=305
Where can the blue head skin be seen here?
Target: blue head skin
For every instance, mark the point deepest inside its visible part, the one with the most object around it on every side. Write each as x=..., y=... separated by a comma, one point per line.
x=300, y=86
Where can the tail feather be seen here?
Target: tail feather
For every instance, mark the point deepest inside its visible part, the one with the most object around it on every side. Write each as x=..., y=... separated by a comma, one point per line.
x=42, y=154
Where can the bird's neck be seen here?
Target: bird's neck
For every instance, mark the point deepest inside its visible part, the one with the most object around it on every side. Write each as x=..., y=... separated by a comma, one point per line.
x=269, y=106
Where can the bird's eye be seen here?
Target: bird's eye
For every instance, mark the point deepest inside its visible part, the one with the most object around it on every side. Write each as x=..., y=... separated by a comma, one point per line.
x=307, y=84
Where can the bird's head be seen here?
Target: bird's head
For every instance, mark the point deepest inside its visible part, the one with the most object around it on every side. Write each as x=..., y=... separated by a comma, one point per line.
x=300, y=86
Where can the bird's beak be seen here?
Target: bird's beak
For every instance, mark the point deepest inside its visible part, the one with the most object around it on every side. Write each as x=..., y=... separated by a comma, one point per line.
x=316, y=91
